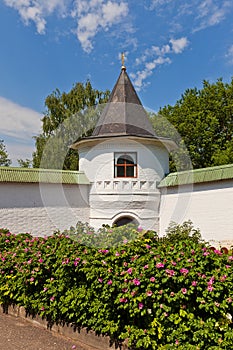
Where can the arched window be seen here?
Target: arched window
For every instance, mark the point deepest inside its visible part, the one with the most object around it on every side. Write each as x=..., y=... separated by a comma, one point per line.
x=124, y=220
x=125, y=165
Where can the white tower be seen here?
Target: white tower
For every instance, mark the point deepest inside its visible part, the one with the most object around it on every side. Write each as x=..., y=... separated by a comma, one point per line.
x=124, y=161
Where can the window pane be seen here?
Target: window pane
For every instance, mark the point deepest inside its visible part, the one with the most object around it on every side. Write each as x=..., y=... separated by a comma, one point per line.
x=120, y=171
x=130, y=171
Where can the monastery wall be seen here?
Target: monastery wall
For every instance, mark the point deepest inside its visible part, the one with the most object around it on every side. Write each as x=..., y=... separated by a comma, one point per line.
x=208, y=205
x=41, y=209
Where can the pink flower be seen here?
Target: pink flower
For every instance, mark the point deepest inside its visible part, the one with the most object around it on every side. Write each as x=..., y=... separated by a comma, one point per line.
x=222, y=278
x=140, y=306
x=210, y=288
x=161, y=306
x=206, y=253
x=125, y=290
x=211, y=281
x=194, y=283
x=140, y=229
x=216, y=251
x=152, y=279
x=100, y=280
x=123, y=300
x=161, y=291
x=177, y=342
x=184, y=290
x=173, y=263
x=148, y=246
x=103, y=251
x=228, y=266
x=130, y=270
x=125, y=264
x=117, y=254
x=109, y=282
x=42, y=308
x=66, y=261
x=32, y=279
x=230, y=257
x=52, y=298
x=136, y=282
x=170, y=272
x=159, y=265
x=184, y=271
x=216, y=304
x=149, y=293
x=40, y=260
x=146, y=267
x=133, y=293
x=172, y=294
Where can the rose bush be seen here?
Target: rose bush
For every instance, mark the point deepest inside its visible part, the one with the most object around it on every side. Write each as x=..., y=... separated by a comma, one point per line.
x=156, y=293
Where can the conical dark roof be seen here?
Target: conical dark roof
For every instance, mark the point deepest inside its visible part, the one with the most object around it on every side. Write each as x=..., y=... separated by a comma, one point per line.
x=124, y=113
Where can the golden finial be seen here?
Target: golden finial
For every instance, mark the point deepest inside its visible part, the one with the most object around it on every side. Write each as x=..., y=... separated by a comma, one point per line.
x=123, y=61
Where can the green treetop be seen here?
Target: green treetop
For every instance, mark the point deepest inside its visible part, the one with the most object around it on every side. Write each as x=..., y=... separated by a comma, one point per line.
x=204, y=122
x=4, y=160
x=68, y=116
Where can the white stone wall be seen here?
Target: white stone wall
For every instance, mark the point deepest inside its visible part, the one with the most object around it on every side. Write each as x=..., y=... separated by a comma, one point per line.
x=40, y=209
x=112, y=198
x=208, y=205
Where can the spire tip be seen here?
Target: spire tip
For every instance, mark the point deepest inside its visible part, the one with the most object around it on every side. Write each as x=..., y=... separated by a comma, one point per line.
x=123, y=61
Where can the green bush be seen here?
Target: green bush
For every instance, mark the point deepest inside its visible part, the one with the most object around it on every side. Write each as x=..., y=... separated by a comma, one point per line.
x=155, y=294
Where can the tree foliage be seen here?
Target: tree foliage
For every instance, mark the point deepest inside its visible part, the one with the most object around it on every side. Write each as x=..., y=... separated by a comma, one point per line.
x=4, y=160
x=24, y=163
x=204, y=123
x=68, y=116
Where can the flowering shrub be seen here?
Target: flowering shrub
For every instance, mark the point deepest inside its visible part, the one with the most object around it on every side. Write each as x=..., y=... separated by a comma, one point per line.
x=105, y=237
x=155, y=294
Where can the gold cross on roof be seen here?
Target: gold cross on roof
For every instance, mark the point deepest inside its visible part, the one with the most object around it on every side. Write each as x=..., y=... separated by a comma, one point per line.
x=123, y=60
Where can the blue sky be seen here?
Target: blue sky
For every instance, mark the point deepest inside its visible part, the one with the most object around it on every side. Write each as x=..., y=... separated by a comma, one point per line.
x=170, y=46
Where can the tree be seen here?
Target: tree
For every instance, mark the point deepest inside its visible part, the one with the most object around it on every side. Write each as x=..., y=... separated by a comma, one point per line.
x=24, y=163
x=68, y=116
x=4, y=160
x=204, y=123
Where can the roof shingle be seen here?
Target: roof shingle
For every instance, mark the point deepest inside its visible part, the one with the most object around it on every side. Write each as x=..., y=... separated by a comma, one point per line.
x=216, y=173
x=31, y=175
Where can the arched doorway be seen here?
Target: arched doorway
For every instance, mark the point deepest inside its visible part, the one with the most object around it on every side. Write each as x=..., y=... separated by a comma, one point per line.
x=124, y=220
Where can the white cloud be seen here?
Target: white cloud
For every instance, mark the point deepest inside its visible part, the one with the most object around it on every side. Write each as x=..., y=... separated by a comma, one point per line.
x=95, y=15
x=179, y=45
x=156, y=3
x=37, y=10
x=91, y=16
x=17, y=121
x=201, y=13
x=142, y=75
x=210, y=13
x=229, y=55
x=156, y=56
x=18, y=126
